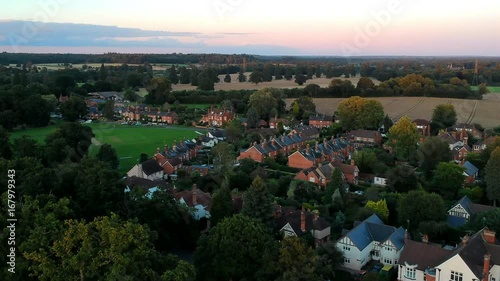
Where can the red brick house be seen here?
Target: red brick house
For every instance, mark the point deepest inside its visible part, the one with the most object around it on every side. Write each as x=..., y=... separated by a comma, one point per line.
x=321, y=175
x=255, y=152
x=365, y=137
x=320, y=121
x=301, y=160
x=273, y=123
x=169, y=117
x=272, y=147
x=351, y=172
x=216, y=117
x=423, y=126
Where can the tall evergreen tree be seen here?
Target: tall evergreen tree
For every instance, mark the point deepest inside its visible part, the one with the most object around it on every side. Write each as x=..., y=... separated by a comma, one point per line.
x=222, y=204
x=257, y=201
x=493, y=176
x=172, y=75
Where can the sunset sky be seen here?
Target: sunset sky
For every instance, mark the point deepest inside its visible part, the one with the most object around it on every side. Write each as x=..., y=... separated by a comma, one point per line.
x=314, y=27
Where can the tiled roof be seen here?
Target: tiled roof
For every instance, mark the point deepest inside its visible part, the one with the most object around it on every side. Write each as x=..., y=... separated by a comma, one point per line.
x=422, y=254
x=373, y=229
x=320, y=118
x=421, y=122
x=364, y=134
x=150, y=167
x=294, y=217
x=470, y=169
x=202, y=198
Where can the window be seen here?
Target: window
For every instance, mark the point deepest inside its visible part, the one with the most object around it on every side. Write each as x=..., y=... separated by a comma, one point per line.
x=456, y=276
x=388, y=249
x=387, y=261
x=347, y=248
x=347, y=260
x=410, y=273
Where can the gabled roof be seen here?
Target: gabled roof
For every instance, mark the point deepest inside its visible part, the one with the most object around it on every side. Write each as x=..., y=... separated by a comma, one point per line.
x=470, y=169
x=422, y=254
x=134, y=181
x=150, y=167
x=472, y=208
x=364, y=134
x=345, y=168
x=373, y=229
x=422, y=122
x=202, y=198
x=293, y=218
x=320, y=118
x=448, y=138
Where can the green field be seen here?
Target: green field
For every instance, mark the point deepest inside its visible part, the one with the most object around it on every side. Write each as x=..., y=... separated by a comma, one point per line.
x=129, y=141
x=493, y=89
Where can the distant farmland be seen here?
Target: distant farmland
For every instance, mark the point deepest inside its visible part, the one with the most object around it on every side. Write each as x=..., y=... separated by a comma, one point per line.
x=484, y=112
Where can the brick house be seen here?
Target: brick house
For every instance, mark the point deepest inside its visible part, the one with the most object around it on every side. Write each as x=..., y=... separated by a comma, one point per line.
x=320, y=121
x=300, y=222
x=321, y=175
x=272, y=147
x=301, y=160
x=351, y=172
x=423, y=126
x=365, y=137
x=217, y=117
x=273, y=122
x=469, y=128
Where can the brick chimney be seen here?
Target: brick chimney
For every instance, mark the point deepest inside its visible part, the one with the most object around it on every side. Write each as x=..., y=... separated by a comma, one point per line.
x=302, y=220
x=489, y=235
x=193, y=191
x=425, y=239
x=486, y=267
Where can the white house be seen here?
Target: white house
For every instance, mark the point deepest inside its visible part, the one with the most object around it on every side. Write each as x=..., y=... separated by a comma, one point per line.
x=380, y=181
x=149, y=169
x=200, y=201
x=369, y=240
x=475, y=258
x=463, y=210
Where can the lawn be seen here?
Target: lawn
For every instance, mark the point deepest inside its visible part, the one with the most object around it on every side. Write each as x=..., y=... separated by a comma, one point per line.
x=493, y=89
x=129, y=141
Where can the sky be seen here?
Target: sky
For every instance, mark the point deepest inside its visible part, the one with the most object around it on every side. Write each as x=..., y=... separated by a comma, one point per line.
x=262, y=27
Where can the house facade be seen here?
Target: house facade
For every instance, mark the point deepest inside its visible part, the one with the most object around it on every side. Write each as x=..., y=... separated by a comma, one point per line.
x=217, y=117
x=320, y=121
x=299, y=222
x=370, y=240
x=199, y=201
x=365, y=137
x=149, y=169
x=463, y=211
x=476, y=258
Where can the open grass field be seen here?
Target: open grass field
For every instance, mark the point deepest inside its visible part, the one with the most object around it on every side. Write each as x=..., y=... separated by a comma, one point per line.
x=484, y=112
x=283, y=84
x=129, y=141
x=493, y=89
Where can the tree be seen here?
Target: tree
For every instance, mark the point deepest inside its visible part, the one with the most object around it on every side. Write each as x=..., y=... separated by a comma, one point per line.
x=143, y=157
x=443, y=116
x=158, y=89
x=219, y=255
x=448, y=179
x=387, y=123
x=252, y=117
x=318, y=71
x=184, y=271
x=337, y=183
x=35, y=111
x=193, y=76
x=183, y=75
x=103, y=72
x=277, y=72
x=227, y=78
x=379, y=208
x=223, y=156
x=300, y=79
x=130, y=95
x=431, y=152
x=257, y=202
x=73, y=108
x=103, y=248
x=419, y=206
x=8, y=119
x=5, y=146
x=365, y=83
x=402, y=178
x=109, y=110
x=350, y=110
x=172, y=75
x=297, y=261
x=26, y=146
x=77, y=137
x=365, y=160
x=108, y=154
x=222, y=204
x=241, y=76
x=207, y=79
x=288, y=73
x=265, y=100
x=306, y=107
x=482, y=89
x=489, y=219
x=256, y=77
x=98, y=187
x=267, y=73
x=493, y=176
x=312, y=90
x=403, y=137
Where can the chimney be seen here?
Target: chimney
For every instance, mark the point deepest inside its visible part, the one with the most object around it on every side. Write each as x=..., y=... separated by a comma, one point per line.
x=302, y=220
x=193, y=191
x=489, y=235
x=486, y=267
x=307, y=149
x=406, y=236
x=263, y=143
x=465, y=239
x=316, y=215
x=425, y=239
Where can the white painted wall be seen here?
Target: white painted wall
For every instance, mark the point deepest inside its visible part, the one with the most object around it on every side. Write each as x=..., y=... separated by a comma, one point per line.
x=456, y=264
x=419, y=274
x=379, y=181
x=495, y=273
x=321, y=234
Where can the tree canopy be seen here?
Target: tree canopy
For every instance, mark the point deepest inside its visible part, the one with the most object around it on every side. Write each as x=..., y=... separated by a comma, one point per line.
x=359, y=113
x=493, y=176
x=403, y=137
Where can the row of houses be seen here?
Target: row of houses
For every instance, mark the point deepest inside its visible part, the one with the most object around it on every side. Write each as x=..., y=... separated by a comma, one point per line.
x=477, y=257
